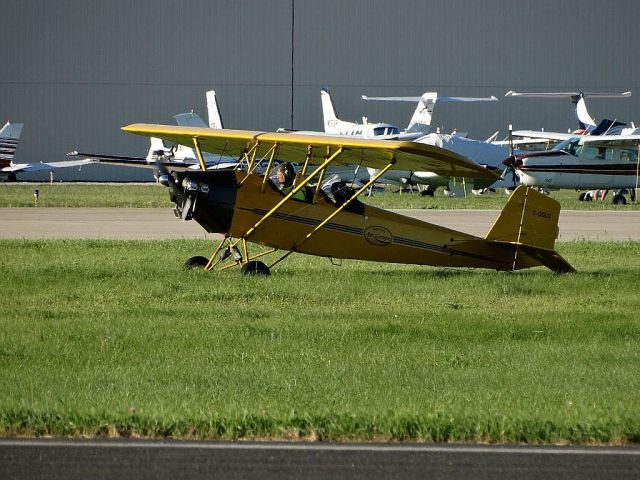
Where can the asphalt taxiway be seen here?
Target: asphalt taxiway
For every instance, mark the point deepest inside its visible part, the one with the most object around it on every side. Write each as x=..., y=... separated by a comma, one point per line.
x=160, y=223
x=139, y=459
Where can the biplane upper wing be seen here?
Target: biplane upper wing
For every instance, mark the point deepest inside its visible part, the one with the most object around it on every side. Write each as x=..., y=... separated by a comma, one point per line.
x=355, y=151
x=141, y=162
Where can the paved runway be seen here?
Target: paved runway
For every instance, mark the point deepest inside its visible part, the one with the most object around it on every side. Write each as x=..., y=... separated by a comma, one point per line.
x=124, y=459
x=160, y=223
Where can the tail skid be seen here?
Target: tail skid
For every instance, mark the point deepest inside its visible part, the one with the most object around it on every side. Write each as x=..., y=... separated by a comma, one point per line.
x=529, y=223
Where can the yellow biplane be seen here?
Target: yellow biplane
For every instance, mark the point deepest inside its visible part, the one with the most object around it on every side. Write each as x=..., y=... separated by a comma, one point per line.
x=247, y=207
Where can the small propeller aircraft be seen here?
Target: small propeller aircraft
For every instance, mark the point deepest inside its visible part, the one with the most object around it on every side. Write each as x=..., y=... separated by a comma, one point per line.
x=586, y=123
x=246, y=207
x=583, y=162
x=417, y=130
x=9, y=139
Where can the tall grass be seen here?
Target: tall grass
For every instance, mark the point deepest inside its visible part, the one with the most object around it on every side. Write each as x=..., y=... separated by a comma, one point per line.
x=114, y=338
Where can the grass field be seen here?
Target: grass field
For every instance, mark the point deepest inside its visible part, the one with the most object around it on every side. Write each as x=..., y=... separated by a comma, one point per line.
x=152, y=195
x=113, y=338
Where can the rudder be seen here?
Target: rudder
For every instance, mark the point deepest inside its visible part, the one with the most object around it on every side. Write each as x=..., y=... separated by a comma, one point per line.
x=529, y=222
x=528, y=218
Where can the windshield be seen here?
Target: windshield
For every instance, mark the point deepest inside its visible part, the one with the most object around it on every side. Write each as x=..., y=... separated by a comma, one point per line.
x=570, y=145
x=386, y=131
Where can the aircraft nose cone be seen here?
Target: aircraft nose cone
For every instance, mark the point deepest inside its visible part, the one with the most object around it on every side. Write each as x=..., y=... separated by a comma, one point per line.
x=509, y=161
x=512, y=161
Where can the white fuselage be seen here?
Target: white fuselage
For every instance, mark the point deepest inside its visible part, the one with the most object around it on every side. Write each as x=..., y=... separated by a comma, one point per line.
x=587, y=170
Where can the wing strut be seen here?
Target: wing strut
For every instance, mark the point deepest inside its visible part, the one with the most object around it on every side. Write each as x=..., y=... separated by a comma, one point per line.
x=371, y=181
x=295, y=190
x=196, y=144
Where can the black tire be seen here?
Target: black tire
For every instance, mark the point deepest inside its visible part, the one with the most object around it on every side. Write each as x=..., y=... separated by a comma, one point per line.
x=619, y=199
x=196, y=262
x=427, y=192
x=255, y=268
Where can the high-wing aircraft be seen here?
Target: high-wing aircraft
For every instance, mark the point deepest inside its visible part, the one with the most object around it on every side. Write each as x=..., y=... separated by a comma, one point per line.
x=418, y=125
x=177, y=154
x=247, y=208
x=9, y=139
x=583, y=162
x=586, y=124
x=483, y=153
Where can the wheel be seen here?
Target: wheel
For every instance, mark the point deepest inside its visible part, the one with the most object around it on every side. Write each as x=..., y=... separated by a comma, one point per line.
x=619, y=199
x=427, y=192
x=255, y=268
x=196, y=262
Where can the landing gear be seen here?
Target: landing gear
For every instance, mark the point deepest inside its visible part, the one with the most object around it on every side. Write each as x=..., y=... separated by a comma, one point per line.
x=585, y=197
x=255, y=267
x=196, y=262
x=619, y=199
x=427, y=192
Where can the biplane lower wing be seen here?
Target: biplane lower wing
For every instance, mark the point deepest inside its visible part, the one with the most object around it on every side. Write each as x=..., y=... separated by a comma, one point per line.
x=138, y=162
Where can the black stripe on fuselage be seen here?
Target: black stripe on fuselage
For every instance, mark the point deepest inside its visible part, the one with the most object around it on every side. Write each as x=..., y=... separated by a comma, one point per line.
x=360, y=232
x=595, y=169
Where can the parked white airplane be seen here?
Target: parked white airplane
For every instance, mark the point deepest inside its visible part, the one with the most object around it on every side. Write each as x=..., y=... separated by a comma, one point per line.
x=583, y=162
x=9, y=139
x=484, y=153
x=178, y=154
x=586, y=124
x=418, y=125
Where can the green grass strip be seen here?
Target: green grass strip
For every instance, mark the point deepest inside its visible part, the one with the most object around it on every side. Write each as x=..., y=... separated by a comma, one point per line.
x=154, y=195
x=113, y=338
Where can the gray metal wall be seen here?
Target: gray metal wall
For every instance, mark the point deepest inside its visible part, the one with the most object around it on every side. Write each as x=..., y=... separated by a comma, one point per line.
x=75, y=71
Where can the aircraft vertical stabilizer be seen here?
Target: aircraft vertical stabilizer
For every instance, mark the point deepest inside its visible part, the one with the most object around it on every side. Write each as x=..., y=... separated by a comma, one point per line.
x=530, y=218
x=9, y=138
x=189, y=119
x=529, y=221
x=328, y=112
x=584, y=119
x=215, y=119
x=421, y=119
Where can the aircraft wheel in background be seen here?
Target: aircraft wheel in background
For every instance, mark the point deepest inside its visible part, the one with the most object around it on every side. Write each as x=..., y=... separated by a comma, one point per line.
x=196, y=262
x=618, y=199
x=255, y=268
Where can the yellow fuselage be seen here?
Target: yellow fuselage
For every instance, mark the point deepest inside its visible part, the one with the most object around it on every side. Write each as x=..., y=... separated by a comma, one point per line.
x=374, y=234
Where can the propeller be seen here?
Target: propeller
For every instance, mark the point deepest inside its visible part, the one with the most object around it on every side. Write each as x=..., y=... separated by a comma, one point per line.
x=177, y=190
x=511, y=162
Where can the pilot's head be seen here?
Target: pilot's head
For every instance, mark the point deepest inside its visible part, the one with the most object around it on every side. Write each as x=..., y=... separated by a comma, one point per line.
x=285, y=175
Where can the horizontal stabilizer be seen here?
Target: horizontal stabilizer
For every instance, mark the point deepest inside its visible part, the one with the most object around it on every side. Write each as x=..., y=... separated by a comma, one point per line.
x=550, y=259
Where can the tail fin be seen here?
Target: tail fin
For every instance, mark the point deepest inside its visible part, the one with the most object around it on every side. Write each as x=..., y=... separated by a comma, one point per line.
x=189, y=119
x=328, y=111
x=421, y=119
x=157, y=149
x=585, y=121
x=529, y=221
x=215, y=119
x=9, y=139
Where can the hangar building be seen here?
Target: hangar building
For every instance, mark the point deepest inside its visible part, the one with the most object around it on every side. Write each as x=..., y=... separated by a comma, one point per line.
x=75, y=71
